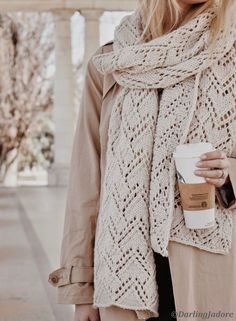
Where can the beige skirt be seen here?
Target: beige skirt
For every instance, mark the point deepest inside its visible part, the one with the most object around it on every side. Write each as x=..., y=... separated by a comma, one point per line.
x=204, y=285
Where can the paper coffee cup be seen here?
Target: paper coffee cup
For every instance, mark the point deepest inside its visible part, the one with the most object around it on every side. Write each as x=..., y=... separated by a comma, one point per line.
x=197, y=196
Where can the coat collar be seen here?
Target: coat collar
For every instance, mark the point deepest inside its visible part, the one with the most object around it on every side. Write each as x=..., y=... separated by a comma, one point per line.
x=109, y=81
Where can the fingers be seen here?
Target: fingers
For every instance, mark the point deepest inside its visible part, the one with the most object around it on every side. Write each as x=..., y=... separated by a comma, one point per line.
x=215, y=154
x=215, y=181
x=213, y=177
x=211, y=165
x=86, y=312
x=95, y=316
x=214, y=163
x=217, y=173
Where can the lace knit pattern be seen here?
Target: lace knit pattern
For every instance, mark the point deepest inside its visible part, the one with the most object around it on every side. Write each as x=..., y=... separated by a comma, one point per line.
x=140, y=208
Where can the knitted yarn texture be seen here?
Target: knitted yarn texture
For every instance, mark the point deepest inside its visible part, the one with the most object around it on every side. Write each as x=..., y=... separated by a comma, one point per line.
x=140, y=208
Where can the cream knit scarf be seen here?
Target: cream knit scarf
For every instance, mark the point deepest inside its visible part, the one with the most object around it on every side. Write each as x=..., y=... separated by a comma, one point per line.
x=140, y=207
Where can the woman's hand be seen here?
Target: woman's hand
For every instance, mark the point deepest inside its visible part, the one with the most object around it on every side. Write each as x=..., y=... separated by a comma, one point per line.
x=217, y=167
x=86, y=312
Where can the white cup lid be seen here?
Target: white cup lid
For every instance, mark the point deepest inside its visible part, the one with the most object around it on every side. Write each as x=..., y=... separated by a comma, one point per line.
x=192, y=150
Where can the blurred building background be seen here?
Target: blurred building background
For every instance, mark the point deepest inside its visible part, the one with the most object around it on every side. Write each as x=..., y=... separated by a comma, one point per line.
x=44, y=48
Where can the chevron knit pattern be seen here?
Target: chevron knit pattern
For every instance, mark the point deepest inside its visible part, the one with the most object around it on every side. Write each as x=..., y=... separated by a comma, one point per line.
x=140, y=209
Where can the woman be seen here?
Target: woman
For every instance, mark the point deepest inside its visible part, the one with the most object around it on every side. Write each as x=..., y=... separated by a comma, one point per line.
x=170, y=75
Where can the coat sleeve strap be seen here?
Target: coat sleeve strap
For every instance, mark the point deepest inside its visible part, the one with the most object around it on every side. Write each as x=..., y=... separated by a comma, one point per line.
x=71, y=274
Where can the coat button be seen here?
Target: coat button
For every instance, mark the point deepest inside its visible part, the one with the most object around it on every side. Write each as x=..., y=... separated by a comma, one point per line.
x=55, y=279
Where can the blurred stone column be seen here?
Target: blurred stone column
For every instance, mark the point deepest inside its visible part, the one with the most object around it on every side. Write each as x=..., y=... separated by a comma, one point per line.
x=92, y=32
x=11, y=177
x=63, y=100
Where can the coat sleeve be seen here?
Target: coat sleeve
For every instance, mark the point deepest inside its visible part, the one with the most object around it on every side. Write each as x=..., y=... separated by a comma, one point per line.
x=74, y=278
x=226, y=195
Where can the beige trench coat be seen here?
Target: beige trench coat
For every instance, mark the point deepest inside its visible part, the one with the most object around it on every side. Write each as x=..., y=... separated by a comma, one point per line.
x=202, y=281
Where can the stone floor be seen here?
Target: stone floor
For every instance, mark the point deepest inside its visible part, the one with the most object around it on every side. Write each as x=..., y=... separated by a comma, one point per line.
x=31, y=222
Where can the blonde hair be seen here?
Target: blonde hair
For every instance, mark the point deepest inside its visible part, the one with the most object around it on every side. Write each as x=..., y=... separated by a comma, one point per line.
x=155, y=14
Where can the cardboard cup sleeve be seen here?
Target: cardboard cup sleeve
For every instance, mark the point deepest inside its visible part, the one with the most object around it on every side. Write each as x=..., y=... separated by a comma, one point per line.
x=197, y=196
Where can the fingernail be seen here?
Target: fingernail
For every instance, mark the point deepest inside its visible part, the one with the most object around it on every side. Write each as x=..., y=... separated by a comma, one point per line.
x=199, y=163
x=203, y=156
